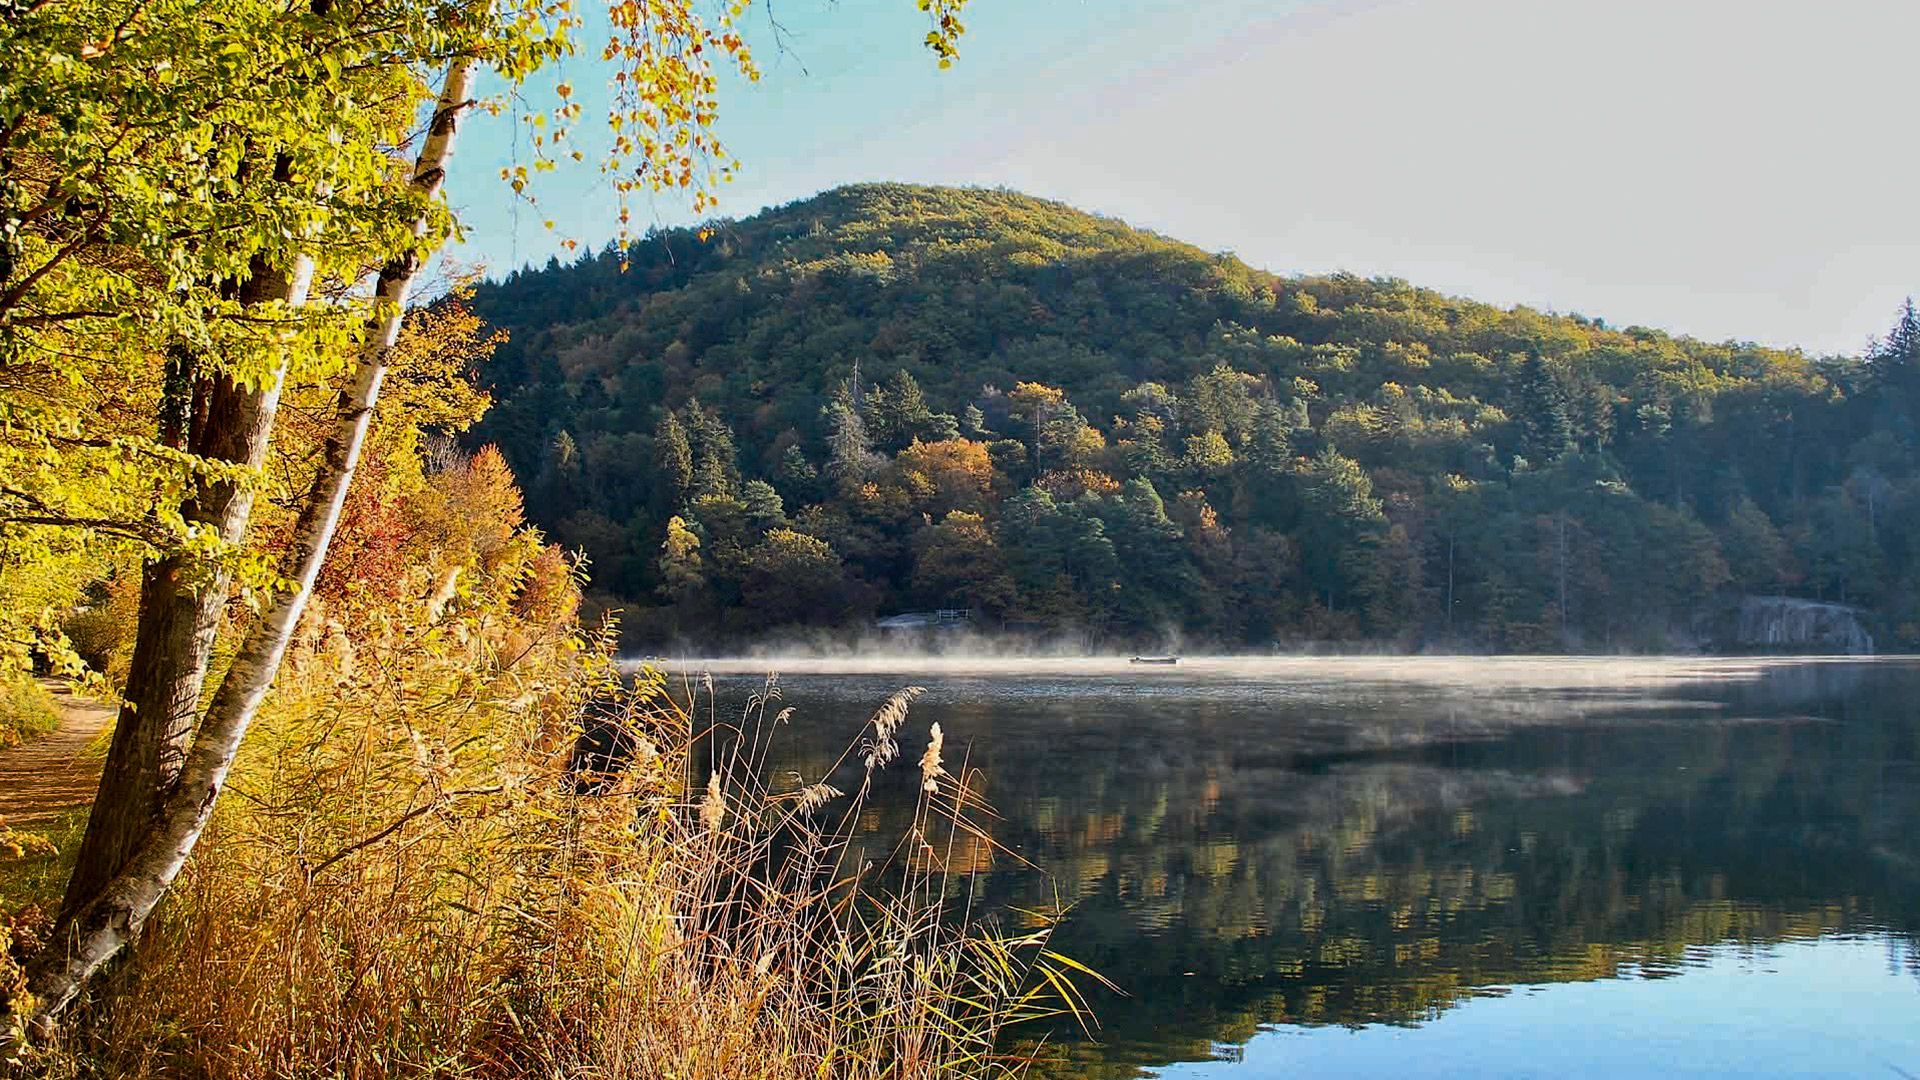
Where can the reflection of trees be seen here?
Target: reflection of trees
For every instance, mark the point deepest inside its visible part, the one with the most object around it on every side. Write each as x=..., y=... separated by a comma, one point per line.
x=1234, y=867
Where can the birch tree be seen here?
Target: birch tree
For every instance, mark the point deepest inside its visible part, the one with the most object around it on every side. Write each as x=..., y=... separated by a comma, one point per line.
x=172, y=183
x=98, y=924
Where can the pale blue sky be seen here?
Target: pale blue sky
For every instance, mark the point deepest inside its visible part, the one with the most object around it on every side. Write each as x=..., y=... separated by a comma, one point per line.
x=1723, y=168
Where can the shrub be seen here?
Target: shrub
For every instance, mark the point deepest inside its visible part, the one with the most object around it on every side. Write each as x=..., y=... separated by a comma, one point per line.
x=25, y=710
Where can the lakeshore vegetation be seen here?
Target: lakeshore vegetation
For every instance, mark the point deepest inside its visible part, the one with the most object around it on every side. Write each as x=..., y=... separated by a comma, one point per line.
x=346, y=825
x=892, y=398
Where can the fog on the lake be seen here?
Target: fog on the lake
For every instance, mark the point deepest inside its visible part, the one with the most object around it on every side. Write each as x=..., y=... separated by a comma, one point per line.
x=1242, y=842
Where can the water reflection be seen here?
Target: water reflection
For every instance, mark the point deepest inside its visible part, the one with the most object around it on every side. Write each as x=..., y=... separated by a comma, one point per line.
x=1346, y=844
x=1851, y=1014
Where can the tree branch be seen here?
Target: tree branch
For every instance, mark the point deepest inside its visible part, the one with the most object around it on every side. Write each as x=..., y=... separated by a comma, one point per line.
x=14, y=295
x=58, y=317
x=47, y=514
x=105, y=525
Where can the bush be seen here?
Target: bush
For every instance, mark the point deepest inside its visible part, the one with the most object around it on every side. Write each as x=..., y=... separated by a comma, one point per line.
x=25, y=710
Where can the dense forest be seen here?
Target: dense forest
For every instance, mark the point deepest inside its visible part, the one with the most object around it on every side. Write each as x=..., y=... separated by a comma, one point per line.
x=891, y=398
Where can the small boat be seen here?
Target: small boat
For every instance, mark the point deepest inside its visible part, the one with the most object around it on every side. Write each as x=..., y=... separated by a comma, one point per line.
x=1154, y=660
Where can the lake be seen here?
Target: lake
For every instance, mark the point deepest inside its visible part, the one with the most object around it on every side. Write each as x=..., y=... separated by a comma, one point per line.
x=1442, y=867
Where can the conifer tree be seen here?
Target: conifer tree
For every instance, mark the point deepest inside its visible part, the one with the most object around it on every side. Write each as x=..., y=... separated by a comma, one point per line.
x=1270, y=450
x=673, y=456
x=796, y=476
x=850, y=459
x=1546, y=418
x=1899, y=352
x=1894, y=367
x=1341, y=513
x=716, y=471
x=896, y=412
x=765, y=510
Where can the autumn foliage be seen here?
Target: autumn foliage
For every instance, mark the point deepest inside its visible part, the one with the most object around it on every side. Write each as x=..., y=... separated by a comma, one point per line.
x=1367, y=460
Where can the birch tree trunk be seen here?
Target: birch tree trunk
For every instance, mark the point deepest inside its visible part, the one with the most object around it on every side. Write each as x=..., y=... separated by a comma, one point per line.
x=105, y=923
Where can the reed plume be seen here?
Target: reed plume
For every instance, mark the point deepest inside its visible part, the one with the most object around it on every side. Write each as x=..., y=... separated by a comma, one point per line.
x=815, y=796
x=713, y=808
x=881, y=746
x=930, y=768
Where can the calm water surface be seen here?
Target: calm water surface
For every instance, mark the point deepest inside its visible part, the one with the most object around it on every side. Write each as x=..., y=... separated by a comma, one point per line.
x=1444, y=867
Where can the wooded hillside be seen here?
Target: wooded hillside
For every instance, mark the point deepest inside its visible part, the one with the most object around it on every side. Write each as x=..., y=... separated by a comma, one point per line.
x=890, y=398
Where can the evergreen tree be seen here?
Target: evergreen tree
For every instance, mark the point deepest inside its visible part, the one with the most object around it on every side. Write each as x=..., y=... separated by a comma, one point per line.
x=897, y=413
x=797, y=477
x=1756, y=555
x=1161, y=580
x=1221, y=400
x=1152, y=400
x=1341, y=512
x=1897, y=356
x=1145, y=445
x=1414, y=386
x=1894, y=368
x=1270, y=449
x=958, y=564
x=1060, y=558
x=1265, y=480
x=795, y=578
x=1064, y=439
x=673, y=457
x=850, y=459
x=1546, y=419
x=715, y=467
x=765, y=511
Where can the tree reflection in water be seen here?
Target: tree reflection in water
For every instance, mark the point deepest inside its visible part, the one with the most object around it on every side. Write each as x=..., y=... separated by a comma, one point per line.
x=1243, y=851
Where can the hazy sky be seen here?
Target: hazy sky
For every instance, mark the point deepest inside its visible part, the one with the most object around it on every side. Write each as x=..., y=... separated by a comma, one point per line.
x=1722, y=168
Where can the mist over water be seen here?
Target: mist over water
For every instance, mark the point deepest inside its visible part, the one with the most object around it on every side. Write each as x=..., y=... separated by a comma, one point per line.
x=1017, y=659
x=1485, y=860
x=1431, y=697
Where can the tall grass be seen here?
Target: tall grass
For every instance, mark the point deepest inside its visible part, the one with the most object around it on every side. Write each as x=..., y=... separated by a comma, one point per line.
x=411, y=875
x=25, y=710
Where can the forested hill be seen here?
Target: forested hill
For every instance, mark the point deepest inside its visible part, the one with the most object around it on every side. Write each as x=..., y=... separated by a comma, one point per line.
x=893, y=398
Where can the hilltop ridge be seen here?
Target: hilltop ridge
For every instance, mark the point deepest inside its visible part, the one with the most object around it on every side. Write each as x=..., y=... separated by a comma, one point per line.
x=814, y=392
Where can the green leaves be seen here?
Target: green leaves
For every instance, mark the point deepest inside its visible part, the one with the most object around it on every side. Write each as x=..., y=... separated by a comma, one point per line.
x=157, y=157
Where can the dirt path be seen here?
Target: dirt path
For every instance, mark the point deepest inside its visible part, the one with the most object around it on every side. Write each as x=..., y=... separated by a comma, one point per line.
x=42, y=777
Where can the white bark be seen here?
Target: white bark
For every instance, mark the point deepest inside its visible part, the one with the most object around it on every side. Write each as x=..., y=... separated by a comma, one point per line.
x=111, y=920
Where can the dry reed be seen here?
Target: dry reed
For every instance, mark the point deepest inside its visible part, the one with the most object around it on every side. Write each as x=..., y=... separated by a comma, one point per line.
x=407, y=877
